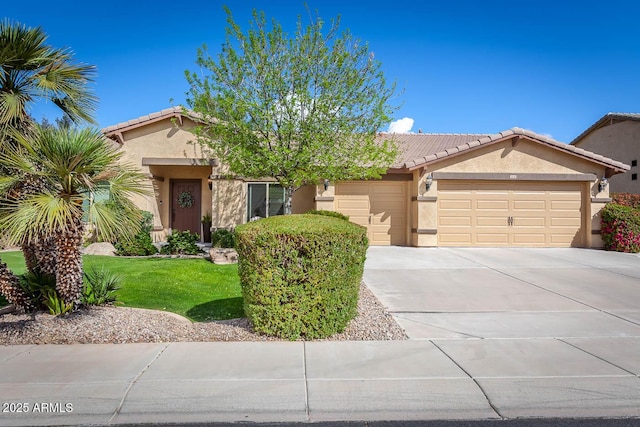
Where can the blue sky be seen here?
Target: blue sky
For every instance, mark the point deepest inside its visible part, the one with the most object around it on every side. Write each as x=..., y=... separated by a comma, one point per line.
x=554, y=67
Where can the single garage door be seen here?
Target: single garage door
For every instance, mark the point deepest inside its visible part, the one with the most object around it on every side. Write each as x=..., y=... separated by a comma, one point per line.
x=380, y=206
x=482, y=213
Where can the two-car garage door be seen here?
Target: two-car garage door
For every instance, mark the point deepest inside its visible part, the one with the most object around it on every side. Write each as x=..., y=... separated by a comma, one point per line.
x=483, y=213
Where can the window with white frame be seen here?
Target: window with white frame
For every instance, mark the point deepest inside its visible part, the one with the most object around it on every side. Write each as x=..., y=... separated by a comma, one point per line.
x=264, y=199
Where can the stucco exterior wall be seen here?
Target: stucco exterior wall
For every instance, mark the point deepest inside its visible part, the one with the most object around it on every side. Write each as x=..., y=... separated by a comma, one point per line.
x=619, y=141
x=164, y=139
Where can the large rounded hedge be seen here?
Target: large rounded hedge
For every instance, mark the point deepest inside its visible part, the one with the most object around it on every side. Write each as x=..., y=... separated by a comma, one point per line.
x=300, y=274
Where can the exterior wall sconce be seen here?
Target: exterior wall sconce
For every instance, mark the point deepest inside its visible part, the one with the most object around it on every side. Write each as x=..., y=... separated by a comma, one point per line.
x=210, y=182
x=326, y=184
x=602, y=185
x=429, y=181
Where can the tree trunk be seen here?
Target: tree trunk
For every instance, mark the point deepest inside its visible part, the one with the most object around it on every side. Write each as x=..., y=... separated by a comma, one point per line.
x=69, y=262
x=10, y=288
x=288, y=197
x=40, y=256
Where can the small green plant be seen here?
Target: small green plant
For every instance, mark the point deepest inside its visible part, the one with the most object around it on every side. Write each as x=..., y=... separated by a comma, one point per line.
x=333, y=214
x=100, y=286
x=223, y=238
x=206, y=218
x=140, y=244
x=55, y=304
x=182, y=242
x=37, y=287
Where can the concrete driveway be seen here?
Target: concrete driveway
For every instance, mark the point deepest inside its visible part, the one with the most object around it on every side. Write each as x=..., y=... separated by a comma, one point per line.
x=448, y=293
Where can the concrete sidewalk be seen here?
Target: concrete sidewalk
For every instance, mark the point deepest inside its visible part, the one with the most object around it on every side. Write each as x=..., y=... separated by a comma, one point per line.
x=319, y=381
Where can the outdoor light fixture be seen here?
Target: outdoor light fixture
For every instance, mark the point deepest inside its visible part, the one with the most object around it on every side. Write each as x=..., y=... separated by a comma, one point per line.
x=603, y=184
x=210, y=182
x=429, y=181
x=326, y=184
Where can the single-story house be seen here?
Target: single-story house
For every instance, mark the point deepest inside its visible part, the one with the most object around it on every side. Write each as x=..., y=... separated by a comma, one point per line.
x=513, y=188
x=616, y=135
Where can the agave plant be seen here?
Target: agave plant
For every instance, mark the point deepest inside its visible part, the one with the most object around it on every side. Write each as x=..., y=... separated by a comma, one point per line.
x=70, y=165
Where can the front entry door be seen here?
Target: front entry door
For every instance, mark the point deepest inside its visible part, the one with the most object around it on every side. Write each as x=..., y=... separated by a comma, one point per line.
x=186, y=202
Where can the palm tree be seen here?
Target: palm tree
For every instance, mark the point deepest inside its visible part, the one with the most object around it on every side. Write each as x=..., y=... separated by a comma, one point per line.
x=31, y=70
x=71, y=165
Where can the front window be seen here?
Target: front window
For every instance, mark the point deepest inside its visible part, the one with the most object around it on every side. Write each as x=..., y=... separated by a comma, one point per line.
x=264, y=200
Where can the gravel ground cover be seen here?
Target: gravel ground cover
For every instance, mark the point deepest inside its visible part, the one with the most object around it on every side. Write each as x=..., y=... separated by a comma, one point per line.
x=101, y=325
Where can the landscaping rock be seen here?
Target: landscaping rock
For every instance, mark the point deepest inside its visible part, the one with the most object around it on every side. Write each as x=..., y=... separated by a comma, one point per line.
x=7, y=309
x=223, y=256
x=101, y=248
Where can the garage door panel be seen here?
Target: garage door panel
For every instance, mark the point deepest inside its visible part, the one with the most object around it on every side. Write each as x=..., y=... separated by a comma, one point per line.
x=529, y=222
x=509, y=213
x=491, y=221
x=379, y=206
x=453, y=239
x=493, y=205
x=565, y=205
x=455, y=204
x=456, y=221
x=529, y=205
x=493, y=239
x=529, y=239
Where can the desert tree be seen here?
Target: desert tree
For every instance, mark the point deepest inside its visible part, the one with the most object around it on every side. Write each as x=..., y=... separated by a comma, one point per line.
x=299, y=109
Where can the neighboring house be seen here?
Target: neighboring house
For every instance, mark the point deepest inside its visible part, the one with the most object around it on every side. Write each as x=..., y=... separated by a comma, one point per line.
x=616, y=135
x=514, y=188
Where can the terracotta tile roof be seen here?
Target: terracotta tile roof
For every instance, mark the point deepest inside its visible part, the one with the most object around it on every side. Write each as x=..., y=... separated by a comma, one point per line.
x=418, y=150
x=418, y=145
x=606, y=120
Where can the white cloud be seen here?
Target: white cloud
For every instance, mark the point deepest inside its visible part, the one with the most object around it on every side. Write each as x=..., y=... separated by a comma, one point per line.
x=403, y=125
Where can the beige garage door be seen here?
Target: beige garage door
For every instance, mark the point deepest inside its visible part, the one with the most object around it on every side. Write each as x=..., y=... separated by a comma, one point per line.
x=380, y=206
x=509, y=214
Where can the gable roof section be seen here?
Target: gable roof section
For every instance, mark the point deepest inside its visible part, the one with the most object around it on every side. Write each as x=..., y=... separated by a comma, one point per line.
x=606, y=120
x=418, y=150
x=115, y=132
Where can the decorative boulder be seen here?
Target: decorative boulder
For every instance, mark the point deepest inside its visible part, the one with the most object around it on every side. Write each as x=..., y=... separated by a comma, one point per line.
x=100, y=248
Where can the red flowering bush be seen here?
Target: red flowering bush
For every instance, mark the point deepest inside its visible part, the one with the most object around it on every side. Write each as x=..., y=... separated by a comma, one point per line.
x=620, y=228
x=626, y=199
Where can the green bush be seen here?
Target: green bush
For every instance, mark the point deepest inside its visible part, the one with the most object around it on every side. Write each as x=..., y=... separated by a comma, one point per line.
x=37, y=287
x=329, y=213
x=182, y=243
x=100, y=286
x=140, y=244
x=41, y=291
x=620, y=228
x=300, y=274
x=223, y=238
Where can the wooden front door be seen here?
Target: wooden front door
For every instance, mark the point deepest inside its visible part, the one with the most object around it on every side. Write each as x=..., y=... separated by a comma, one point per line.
x=186, y=205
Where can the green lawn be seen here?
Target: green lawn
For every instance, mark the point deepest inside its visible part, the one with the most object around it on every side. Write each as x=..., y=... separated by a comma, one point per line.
x=194, y=288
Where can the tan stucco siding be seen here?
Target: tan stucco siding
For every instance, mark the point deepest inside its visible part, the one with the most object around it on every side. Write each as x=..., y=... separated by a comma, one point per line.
x=165, y=140
x=619, y=141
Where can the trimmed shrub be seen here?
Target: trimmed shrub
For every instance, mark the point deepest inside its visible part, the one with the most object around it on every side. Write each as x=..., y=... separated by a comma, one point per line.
x=329, y=213
x=626, y=199
x=141, y=244
x=620, y=228
x=182, y=243
x=223, y=238
x=300, y=274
